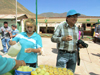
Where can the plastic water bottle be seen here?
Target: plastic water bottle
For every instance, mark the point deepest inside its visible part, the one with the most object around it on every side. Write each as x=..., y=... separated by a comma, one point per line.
x=14, y=50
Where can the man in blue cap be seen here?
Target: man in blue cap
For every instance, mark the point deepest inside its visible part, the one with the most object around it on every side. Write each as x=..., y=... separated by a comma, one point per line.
x=66, y=36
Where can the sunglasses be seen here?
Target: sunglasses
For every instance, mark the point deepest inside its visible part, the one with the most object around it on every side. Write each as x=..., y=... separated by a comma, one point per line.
x=73, y=16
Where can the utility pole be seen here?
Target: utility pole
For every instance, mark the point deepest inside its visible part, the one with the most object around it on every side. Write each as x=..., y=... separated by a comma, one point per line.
x=36, y=16
x=16, y=12
x=46, y=25
x=36, y=25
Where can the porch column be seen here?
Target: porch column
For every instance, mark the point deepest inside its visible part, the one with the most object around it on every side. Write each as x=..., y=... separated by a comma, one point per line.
x=22, y=23
x=86, y=26
x=38, y=27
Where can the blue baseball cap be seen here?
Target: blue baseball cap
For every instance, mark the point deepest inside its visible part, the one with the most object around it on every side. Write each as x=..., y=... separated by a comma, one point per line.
x=72, y=12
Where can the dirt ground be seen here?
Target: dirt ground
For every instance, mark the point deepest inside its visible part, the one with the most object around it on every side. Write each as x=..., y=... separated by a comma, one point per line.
x=90, y=57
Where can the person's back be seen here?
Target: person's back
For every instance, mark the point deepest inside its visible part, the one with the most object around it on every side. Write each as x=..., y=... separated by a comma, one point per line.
x=14, y=32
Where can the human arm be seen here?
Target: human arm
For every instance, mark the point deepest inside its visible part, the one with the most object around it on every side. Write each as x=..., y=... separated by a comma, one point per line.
x=13, y=36
x=12, y=42
x=67, y=38
x=1, y=30
x=15, y=33
x=19, y=63
x=38, y=46
x=80, y=46
x=57, y=36
x=29, y=50
x=8, y=30
x=7, y=64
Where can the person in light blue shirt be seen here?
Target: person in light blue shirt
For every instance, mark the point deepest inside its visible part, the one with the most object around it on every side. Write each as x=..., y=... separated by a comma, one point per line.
x=14, y=32
x=31, y=43
x=7, y=64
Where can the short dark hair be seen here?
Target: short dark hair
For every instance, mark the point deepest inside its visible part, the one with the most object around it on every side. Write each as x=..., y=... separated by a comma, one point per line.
x=5, y=22
x=14, y=26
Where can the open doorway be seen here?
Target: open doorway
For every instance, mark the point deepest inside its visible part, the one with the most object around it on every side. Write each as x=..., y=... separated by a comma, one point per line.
x=84, y=27
x=49, y=30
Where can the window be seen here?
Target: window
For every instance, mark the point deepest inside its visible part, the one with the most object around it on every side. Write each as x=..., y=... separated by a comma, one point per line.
x=88, y=24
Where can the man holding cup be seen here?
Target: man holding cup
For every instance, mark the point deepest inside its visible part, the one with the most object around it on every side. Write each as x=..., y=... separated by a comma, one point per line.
x=66, y=36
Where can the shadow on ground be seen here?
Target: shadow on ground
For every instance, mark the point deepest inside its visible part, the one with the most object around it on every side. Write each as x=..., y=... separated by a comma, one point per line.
x=2, y=50
x=86, y=60
x=54, y=50
x=96, y=54
x=98, y=42
x=91, y=73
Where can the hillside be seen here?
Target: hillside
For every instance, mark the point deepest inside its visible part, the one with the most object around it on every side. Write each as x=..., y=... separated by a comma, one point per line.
x=9, y=7
x=51, y=14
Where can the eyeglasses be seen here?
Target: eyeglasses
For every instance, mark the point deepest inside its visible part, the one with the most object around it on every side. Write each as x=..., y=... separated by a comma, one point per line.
x=74, y=16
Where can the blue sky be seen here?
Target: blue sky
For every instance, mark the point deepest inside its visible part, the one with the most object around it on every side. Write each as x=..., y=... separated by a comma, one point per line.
x=86, y=7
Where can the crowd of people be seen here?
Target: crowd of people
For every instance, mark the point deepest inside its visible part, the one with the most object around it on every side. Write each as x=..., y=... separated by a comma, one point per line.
x=66, y=36
x=6, y=34
x=29, y=50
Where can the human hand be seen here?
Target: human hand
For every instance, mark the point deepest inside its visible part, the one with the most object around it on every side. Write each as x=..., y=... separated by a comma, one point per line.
x=1, y=29
x=23, y=63
x=28, y=50
x=80, y=46
x=96, y=34
x=7, y=31
x=10, y=36
x=67, y=38
x=19, y=63
x=12, y=42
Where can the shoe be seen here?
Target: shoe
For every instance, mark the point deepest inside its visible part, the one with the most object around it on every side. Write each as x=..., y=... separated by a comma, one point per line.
x=5, y=53
x=1, y=53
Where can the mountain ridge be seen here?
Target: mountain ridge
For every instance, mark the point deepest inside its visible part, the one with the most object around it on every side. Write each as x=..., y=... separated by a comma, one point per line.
x=9, y=7
x=51, y=14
